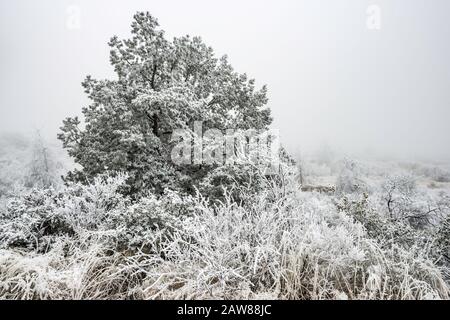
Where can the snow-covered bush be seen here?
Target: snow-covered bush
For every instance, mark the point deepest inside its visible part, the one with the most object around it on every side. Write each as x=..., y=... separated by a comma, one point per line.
x=83, y=269
x=385, y=230
x=401, y=199
x=349, y=180
x=242, y=180
x=443, y=229
x=399, y=193
x=37, y=219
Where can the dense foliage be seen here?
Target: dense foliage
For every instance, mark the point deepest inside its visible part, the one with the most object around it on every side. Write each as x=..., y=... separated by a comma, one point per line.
x=91, y=242
x=161, y=86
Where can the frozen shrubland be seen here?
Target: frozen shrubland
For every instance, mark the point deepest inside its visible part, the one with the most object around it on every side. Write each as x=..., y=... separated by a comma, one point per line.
x=128, y=222
x=91, y=242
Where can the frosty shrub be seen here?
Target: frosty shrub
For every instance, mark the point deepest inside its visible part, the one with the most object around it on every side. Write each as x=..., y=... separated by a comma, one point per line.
x=349, y=179
x=398, y=193
x=242, y=180
x=402, y=200
x=443, y=229
x=386, y=231
x=81, y=269
x=39, y=218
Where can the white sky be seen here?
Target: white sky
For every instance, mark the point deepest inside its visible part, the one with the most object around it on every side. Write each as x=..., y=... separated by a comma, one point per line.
x=331, y=79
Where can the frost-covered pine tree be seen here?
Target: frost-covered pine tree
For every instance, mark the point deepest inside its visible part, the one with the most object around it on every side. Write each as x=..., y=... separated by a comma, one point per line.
x=161, y=85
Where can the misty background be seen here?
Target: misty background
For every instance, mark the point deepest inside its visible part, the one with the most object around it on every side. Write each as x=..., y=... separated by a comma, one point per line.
x=332, y=81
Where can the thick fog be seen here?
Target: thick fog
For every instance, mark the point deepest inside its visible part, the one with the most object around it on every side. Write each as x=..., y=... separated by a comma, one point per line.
x=364, y=77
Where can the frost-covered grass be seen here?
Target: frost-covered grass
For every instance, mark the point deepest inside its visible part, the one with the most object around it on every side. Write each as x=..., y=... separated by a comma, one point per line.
x=87, y=242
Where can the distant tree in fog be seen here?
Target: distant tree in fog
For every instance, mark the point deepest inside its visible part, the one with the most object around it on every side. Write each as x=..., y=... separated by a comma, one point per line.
x=42, y=168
